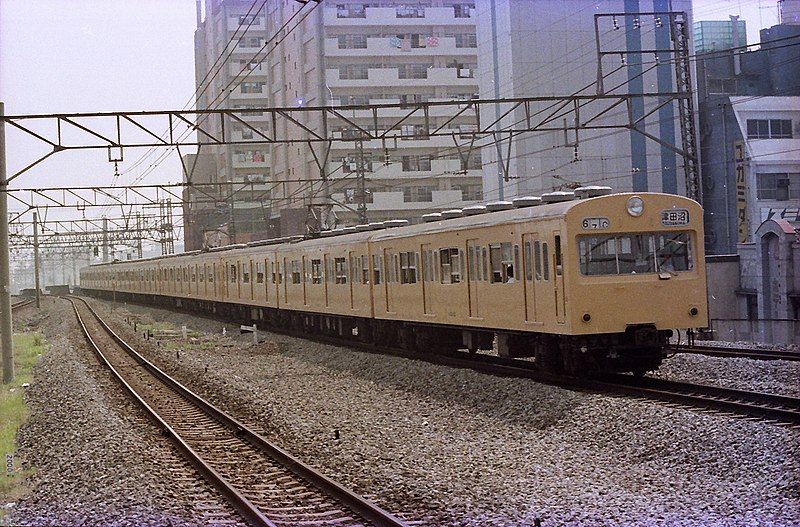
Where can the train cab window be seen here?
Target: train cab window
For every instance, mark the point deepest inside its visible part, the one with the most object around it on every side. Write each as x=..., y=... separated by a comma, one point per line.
x=316, y=271
x=673, y=252
x=408, y=267
x=502, y=261
x=259, y=272
x=635, y=253
x=545, y=262
x=340, y=270
x=450, y=265
x=377, y=266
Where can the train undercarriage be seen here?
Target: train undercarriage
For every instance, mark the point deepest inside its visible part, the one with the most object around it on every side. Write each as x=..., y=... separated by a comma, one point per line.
x=638, y=350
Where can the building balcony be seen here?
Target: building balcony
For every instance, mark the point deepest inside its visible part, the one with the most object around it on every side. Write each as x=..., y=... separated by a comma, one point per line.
x=259, y=72
x=380, y=77
x=237, y=94
x=258, y=25
x=381, y=47
x=388, y=16
x=238, y=162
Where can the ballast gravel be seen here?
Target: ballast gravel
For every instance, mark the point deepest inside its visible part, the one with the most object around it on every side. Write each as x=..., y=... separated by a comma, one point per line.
x=96, y=460
x=769, y=376
x=450, y=447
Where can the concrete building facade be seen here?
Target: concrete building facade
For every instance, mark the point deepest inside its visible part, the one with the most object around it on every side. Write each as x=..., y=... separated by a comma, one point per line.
x=548, y=48
x=344, y=53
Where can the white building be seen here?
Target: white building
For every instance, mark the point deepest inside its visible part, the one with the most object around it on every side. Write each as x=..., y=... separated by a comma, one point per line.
x=347, y=52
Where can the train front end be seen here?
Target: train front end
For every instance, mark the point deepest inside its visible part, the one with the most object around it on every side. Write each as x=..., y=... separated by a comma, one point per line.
x=638, y=274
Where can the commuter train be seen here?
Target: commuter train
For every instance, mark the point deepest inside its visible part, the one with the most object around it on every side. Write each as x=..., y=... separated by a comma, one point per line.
x=585, y=281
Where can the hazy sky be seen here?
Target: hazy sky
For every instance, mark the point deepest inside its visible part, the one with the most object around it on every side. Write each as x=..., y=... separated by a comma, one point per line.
x=105, y=55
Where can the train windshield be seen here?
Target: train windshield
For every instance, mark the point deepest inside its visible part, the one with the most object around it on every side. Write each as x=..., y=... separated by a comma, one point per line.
x=635, y=253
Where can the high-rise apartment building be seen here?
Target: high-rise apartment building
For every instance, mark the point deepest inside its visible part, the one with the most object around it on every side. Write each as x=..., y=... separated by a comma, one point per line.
x=347, y=52
x=549, y=48
x=718, y=35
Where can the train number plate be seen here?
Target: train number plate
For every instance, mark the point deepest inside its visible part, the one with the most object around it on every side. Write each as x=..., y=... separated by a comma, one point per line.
x=673, y=217
x=596, y=223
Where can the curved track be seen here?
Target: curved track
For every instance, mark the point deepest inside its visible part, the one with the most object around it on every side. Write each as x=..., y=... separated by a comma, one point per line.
x=21, y=304
x=744, y=353
x=267, y=485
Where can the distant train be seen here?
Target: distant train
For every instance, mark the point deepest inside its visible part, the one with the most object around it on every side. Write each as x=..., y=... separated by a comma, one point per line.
x=584, y=282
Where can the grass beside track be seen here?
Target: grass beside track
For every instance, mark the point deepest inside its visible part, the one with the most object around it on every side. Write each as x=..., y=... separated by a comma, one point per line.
x=13, y=412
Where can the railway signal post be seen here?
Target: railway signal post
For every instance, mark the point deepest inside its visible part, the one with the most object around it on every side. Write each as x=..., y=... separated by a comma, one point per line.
x=5, y=290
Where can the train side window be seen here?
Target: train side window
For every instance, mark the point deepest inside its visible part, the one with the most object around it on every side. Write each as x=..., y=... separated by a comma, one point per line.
x=316, y=271
x=435, y=265
x=478, y=266
x=274, y=272
x=340, y=270
x=472, y=266
x=376, y=268
x=557, y=255
x=201, y=273
x=545, y=262
x=526, y=260
x=517, y=268
x=259, y=272
x=364, y=269
x=450, y=265
x=296, y=272
x=232, y=273
x=246, y=273
x=502, y=261
x=408, y=267
x=537, y=259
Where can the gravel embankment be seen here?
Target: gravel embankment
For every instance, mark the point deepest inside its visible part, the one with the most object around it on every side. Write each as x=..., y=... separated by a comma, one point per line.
x=458, y=448
x=97, y=460
x=769, y=376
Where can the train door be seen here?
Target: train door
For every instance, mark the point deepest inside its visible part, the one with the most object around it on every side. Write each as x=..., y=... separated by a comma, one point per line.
x=558, y=279
x=532, y=261
x=304, y=263
x=352, y=277
x=388, y=262
x=473, y=276
x=427, y=277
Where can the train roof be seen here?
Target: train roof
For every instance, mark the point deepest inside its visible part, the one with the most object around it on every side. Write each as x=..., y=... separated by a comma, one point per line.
x=486, y=219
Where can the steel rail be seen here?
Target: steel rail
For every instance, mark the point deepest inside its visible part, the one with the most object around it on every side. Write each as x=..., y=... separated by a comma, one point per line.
x=21, y=304
x=361, y=506
x=737, y=352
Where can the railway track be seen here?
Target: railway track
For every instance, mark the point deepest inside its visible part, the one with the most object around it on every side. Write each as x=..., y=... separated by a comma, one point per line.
x=744, y=353
x=779, y=408
x=782, y=409
x=21, y=304
x=267, y=485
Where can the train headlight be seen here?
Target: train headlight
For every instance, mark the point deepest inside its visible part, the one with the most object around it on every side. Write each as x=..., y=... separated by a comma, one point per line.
x=635, y=206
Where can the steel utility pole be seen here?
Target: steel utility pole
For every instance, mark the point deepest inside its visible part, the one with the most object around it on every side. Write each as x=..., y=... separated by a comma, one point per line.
x=5, y=291
x=105, y=239
x=36, y=258
x=361, y=187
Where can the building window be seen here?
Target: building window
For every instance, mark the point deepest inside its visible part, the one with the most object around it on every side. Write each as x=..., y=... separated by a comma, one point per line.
x=416, y=163
x=352, y=41
x=351, y=11
x=413, y=194
x=409, y=12
x=350, y=163
x=413, y=71
x=470, y=192
x=463, y=10
x=466, y=40
x=253, y=87
x=721, y=86
x=779, y=187
x=354, y=71
x=769, y=128
x=752, y=307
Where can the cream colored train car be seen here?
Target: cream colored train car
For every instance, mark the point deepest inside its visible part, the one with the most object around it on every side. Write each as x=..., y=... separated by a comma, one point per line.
x=581, y=284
